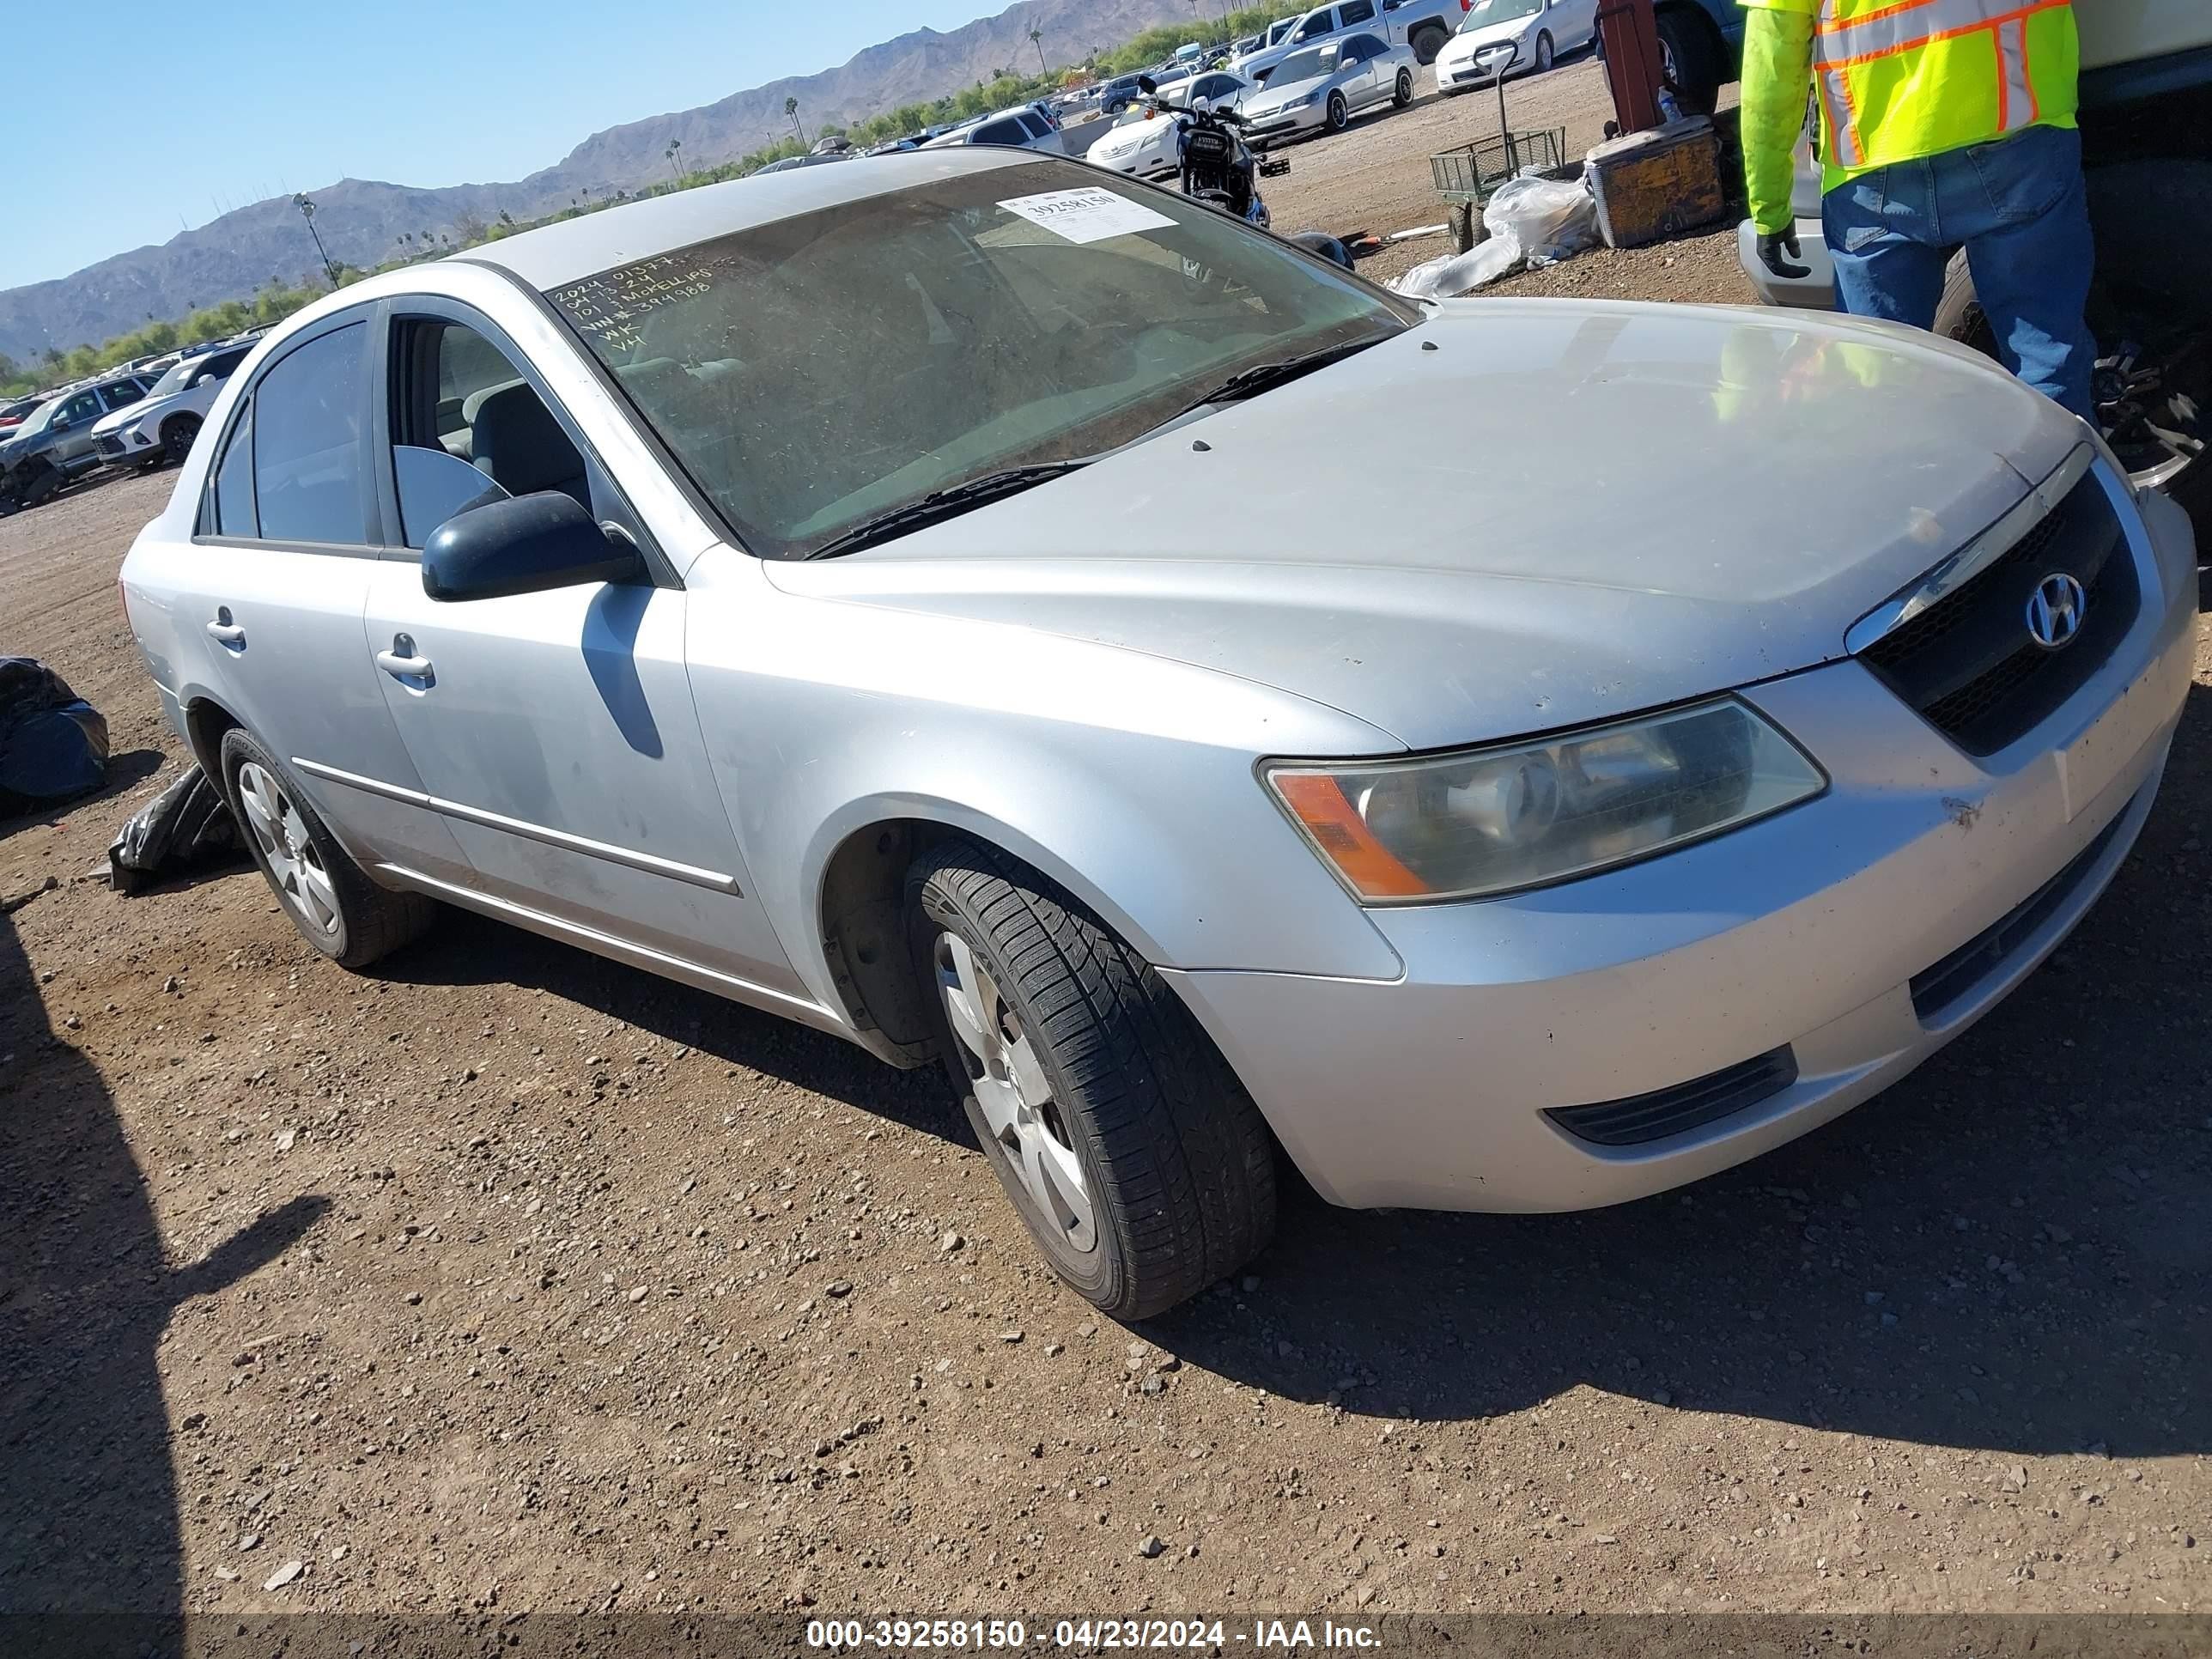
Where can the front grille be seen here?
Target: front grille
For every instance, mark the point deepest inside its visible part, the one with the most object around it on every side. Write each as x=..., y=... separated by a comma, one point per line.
x=1973, y=963
x=1968, y=664
x=1686, y=1106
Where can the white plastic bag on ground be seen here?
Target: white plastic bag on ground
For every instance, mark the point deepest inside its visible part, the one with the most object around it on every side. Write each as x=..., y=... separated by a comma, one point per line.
x=1550, y=219
x=1455, y=274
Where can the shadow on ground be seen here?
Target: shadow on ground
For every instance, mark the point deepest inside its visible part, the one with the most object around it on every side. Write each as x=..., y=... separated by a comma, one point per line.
x=87, y=1499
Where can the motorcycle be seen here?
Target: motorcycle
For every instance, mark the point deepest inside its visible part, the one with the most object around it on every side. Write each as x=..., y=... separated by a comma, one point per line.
x=1220, y=169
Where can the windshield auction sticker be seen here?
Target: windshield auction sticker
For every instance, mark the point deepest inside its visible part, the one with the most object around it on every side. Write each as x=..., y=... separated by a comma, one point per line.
x=1088, y=215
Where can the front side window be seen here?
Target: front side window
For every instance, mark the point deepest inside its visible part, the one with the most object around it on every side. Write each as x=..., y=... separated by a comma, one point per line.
x=1000, y=132
x=308, y=441
x=469, y=428
x=1036, y=125
x=83, y=407
x=1318, y=24
x=816, y=373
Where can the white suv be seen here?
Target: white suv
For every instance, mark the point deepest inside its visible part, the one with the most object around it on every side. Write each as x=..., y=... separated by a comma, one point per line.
x=161, y=426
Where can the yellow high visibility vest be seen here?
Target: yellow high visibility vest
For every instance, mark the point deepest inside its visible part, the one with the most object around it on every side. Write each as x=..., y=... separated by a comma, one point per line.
x=1901, y=79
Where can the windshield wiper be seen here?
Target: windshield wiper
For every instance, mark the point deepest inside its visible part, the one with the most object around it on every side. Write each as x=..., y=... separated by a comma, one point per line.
x=942, y=504
x=1266, y=377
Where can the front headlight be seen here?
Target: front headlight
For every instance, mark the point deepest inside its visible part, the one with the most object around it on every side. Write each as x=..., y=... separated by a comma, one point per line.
x=1493, y=821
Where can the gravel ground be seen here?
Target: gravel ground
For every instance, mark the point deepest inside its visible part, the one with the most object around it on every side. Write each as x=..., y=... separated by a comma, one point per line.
x=1375, y=177
x=504, y=1277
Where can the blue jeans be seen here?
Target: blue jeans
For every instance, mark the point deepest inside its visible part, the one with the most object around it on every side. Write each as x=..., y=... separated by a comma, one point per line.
x=2019, y=208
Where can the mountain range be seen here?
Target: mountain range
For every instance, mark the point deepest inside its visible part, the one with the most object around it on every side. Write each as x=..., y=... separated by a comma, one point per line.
x=361, y=221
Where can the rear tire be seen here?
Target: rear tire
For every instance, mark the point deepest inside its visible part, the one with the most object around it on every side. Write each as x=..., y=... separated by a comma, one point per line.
x=1128, y=1147
x=1340, y=113
x=336, y=909
x=1691, y=57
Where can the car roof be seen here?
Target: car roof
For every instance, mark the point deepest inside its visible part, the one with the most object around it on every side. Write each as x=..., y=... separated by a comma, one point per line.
x=555, y=254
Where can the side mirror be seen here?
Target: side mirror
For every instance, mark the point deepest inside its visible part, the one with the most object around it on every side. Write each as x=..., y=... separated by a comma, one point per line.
x=531, y=544
x=1147, y=85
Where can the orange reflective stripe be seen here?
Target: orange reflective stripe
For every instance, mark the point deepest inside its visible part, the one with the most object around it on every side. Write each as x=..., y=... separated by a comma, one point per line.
x=1840, y=48
x=1843, y=131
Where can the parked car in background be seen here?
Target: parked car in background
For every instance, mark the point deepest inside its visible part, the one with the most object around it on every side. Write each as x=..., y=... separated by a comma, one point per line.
x=1424, y=25
x=14, y=414
x=1142, y=143
x=1324, y=87
x=162, y=425
x=1539, y=869
x=1025, y=128
x=1518, y=37
x=1117, y=95
x=893, y=146
x=55, y=444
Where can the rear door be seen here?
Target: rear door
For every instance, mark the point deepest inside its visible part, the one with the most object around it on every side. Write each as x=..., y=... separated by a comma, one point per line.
x=555, y=732
x=272, y=585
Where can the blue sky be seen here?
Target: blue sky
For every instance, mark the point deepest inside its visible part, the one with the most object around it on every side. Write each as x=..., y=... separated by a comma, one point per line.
x=113, y=143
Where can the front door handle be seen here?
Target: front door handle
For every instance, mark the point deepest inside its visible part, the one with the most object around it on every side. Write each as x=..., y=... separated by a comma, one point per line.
x=225, y=630
x=401, y=662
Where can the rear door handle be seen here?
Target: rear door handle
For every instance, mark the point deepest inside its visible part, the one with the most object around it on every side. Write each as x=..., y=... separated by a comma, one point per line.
x=225, y=630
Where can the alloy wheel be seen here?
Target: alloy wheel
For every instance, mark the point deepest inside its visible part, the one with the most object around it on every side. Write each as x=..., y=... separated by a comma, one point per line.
x=2150, y=416
x=1014, y=1095
x=296, y=866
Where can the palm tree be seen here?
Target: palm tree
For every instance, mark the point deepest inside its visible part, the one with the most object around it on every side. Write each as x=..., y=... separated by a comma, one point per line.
x=791, y=114
x=1037, y=39
x=675, y=172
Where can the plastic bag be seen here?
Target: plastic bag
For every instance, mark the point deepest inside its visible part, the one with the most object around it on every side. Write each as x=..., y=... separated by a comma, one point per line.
x=186, y=826
x=1461, y=273
x=53, y=743
x=1552, y=219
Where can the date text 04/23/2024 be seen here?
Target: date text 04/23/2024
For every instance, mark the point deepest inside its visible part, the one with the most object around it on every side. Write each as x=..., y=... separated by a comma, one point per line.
x=1088, y=1635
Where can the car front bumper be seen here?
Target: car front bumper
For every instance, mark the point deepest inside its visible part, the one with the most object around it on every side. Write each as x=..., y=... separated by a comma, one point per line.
x=1802, y=935
x=114, y=449
x=1290, y=124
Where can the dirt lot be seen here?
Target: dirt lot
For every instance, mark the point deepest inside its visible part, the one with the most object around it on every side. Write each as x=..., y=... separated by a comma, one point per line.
x=504, y=1277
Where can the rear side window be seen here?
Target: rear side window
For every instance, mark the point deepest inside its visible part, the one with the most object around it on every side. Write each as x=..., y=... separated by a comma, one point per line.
x=233, y=483
x=307, y=443
x=124, y=391
x=1356, y=11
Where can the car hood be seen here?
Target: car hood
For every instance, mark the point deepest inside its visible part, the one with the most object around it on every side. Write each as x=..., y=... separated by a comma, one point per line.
x=1134, y=136
x=1563, y=512
x=1466, y=43
x=1281, y=93
x=116, y=420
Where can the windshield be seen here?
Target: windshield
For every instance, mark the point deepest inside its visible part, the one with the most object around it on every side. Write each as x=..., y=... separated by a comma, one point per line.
x=818, y=372
x=177, y=373
x=1304, y=66
x=1484, y=13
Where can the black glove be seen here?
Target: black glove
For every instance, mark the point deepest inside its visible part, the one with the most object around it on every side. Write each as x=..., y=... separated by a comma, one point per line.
x=1773, y=245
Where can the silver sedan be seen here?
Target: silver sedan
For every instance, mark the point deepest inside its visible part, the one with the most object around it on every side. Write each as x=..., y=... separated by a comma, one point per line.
x=872, y=594
x=1324, y=87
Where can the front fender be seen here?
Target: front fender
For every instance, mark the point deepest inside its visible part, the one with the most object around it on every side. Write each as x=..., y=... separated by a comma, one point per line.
x=1127, y=779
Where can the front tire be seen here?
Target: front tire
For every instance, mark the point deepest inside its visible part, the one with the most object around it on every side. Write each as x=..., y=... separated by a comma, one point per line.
x=177, y=436
x=336, y=909
x=1340, y=113
x=1545, y=54
x=1427, y=44
x=1131, y=1153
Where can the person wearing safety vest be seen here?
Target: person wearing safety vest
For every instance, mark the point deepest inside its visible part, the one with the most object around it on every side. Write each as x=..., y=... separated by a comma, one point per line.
x=1944, y=124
